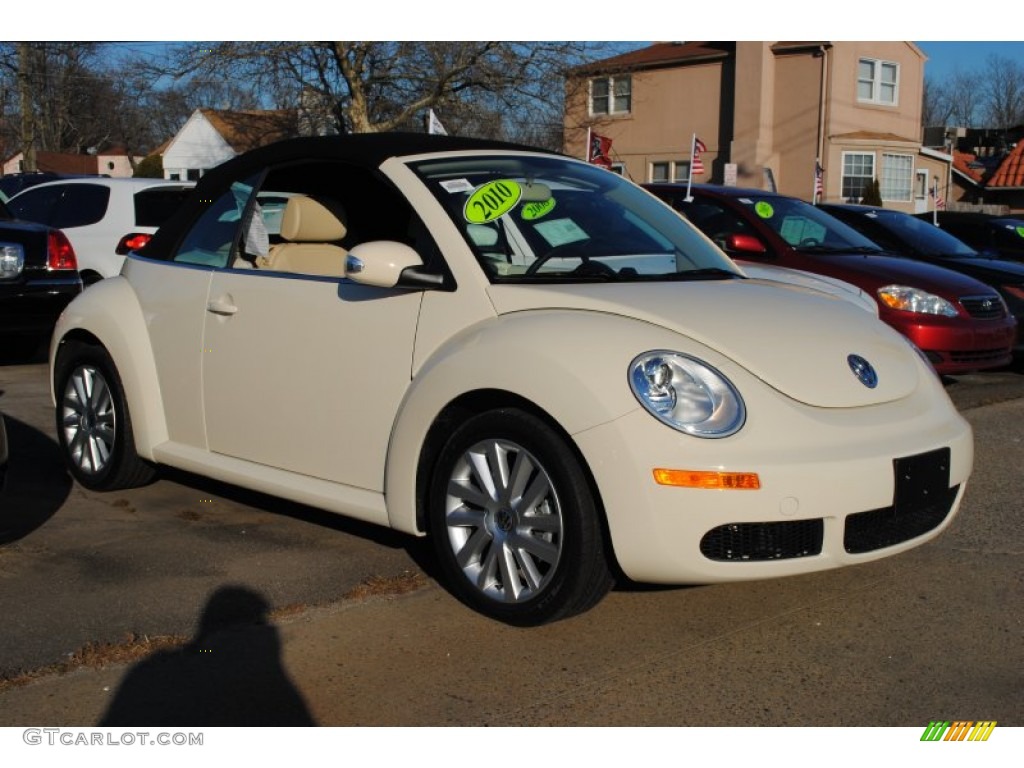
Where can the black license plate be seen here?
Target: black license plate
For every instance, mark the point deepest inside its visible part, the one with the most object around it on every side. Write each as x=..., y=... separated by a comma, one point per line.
x=921, y=480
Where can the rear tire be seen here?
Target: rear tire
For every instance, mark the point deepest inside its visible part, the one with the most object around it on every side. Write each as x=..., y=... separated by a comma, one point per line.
x=514, y=521
x=94, y=428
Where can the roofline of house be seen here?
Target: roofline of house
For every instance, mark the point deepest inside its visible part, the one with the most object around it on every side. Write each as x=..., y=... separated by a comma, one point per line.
x=934, y=153
x=967, y=178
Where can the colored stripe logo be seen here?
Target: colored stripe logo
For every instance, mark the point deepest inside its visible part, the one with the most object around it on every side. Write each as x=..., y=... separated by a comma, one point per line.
x=958, y=730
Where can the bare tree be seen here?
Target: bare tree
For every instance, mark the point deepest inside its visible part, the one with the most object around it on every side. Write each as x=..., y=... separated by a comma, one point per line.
x=964, y=93
x=936, y=107
x=494, y=89
x=1003, y=91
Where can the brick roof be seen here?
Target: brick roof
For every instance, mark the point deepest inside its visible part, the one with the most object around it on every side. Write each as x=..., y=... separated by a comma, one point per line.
x=62, y=162
x=248, y=129
x=660, y=55
x=1010, y=172
x=962, y=163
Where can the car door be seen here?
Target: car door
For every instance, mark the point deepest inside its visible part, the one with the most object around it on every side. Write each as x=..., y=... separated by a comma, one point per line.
x=305, y=372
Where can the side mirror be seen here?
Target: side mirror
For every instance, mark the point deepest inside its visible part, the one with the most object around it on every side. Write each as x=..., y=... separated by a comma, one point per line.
x=744, y=244
x=381, y=263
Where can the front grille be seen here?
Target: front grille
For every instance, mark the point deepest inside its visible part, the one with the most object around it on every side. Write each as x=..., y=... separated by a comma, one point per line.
x=979, y=355
x=878, y=528
x=747, y=542
x=983, y=307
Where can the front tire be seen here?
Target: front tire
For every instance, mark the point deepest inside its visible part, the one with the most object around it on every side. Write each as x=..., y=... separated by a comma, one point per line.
x=94, y=428
x=514, y=521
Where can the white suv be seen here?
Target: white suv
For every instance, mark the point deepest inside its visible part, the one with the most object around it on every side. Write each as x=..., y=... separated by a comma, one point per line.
x=103, y=218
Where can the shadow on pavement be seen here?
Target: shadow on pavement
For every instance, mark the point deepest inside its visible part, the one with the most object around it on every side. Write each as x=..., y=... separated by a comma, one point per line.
x=230, y=674
x=37, y=482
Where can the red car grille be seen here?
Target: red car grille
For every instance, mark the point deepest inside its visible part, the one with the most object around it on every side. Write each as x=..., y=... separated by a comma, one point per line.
x=983, y=307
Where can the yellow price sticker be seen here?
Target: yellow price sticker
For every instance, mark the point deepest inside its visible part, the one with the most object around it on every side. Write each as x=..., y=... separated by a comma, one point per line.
x=1020, y=231
x=764, y=210
x=534, y=211
x=493, y=199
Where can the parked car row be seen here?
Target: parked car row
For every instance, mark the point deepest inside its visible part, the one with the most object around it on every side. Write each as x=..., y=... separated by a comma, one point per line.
x=959, y=322
x=519, y=355
x=920, y=240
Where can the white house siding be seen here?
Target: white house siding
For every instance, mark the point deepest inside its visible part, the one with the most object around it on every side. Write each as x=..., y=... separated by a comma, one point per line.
x=197, y=148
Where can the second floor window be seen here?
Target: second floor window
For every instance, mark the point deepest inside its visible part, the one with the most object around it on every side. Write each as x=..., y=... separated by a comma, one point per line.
x=878, y=81
x=611, y=95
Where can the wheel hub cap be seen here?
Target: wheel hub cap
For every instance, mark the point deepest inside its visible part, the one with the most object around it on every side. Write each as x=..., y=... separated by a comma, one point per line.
x=504, y=521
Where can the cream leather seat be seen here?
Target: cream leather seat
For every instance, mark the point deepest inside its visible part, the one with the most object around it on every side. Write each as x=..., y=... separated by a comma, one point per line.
x=309, y=230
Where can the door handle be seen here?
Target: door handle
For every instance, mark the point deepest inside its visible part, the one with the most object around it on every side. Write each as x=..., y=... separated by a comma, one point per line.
x=222, y=305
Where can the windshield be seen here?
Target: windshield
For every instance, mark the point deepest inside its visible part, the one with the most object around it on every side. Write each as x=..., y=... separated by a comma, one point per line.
x=534, y=218
x=805, y=227
x=927, y=239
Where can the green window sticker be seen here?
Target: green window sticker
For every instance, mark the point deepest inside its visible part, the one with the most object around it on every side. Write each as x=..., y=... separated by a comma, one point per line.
x=764, y=210
x=1020, y=231
x=492, y=200
x=534, y=211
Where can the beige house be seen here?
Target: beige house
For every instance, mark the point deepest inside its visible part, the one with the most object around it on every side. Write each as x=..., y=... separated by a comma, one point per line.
x=767, y=112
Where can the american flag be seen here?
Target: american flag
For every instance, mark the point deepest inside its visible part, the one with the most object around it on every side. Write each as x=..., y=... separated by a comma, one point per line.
x=600, y=150
x=819, y=185
x=698, y=147
x=934, y=193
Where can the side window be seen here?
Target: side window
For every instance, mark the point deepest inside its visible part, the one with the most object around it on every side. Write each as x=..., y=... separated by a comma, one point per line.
x=715, y=221
x=335, y=206
x=82, y=204
x=36, y=204
x=211, y=240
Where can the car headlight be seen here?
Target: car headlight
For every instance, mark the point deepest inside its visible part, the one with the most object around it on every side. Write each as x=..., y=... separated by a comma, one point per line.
x=686, y=394
x=915, y=300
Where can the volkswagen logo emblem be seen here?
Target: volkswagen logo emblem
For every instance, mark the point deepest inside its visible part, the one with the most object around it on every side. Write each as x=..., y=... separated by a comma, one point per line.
x=863, y=371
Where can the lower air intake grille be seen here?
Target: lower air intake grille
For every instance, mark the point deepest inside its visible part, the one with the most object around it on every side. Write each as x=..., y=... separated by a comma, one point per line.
x=745, y=542
x=878, y=528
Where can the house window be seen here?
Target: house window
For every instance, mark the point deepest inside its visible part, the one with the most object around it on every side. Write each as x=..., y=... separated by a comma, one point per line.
x=611, y=95
x=858, y=171
x=619, y=168
x=675, y=170
x=897, y=177
x=660, y=171
x=878, y=81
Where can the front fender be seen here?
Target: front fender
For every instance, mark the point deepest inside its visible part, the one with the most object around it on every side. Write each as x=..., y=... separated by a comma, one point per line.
x=109, y=312
x=571, y=364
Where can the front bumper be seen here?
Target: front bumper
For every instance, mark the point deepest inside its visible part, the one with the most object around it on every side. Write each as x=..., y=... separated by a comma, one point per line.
x=827, y=476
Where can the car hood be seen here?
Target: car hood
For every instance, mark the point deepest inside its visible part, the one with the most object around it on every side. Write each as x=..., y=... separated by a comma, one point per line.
x=985, y=268
x=874, y=271
x=794, y=339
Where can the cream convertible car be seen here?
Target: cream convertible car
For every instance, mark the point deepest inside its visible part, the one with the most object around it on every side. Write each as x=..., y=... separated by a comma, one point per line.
x=525, y=357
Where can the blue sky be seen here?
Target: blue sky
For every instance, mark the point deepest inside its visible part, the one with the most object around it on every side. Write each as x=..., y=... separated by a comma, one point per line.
x=944, y=58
